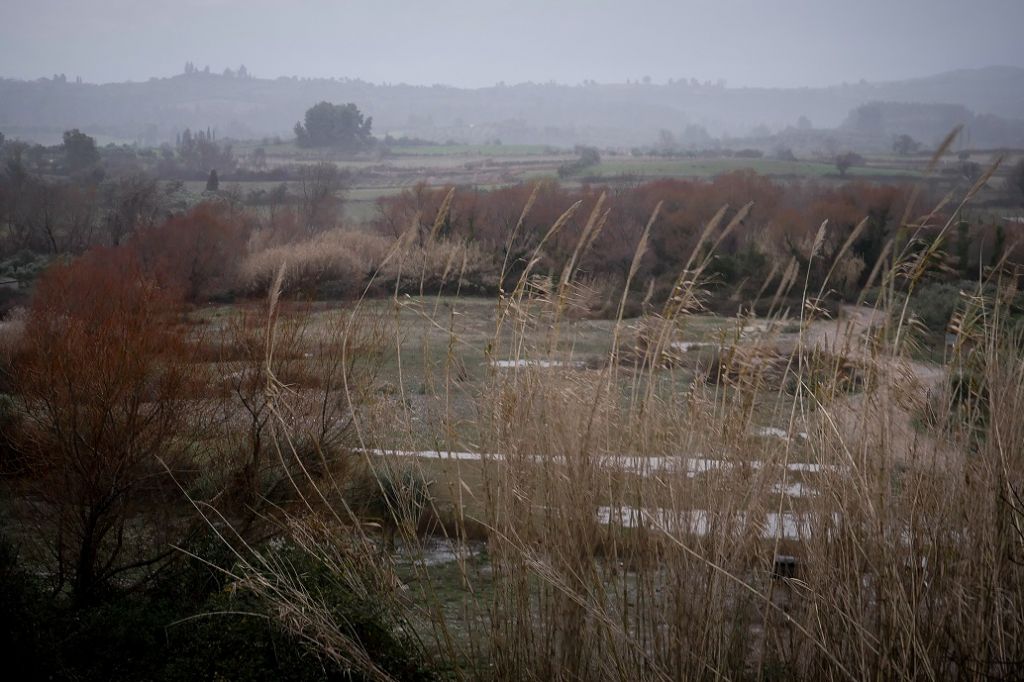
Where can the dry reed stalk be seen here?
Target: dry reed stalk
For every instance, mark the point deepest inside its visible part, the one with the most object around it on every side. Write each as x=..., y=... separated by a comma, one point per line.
x=605, y=562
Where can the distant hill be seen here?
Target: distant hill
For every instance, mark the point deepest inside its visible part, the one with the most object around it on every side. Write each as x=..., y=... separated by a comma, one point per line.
x=607, y=114
x=879, y=122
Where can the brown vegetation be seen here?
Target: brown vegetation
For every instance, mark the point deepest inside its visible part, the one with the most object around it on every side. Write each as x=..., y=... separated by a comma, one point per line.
x=637, y=532
x=812, y=506
x=781, y=226
x=101, y=381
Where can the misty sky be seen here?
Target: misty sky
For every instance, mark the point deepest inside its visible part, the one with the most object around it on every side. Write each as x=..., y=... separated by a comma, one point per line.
x=480, y=42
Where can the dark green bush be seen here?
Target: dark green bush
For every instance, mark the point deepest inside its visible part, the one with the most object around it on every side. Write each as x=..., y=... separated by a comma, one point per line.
x=192, y=626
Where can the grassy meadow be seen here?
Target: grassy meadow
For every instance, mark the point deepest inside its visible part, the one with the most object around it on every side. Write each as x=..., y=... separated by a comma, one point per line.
x=691, y=168
x=496, y=165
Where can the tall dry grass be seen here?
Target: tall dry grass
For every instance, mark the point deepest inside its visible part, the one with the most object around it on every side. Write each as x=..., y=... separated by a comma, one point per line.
x=352, y=260
x=635, y=525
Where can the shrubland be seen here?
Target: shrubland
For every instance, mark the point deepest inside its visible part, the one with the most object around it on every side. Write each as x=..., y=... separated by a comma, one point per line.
x=795, y=495
x=615, y=527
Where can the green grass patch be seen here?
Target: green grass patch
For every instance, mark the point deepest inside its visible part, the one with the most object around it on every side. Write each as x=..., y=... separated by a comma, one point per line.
x=494, y=150
x=693, y=168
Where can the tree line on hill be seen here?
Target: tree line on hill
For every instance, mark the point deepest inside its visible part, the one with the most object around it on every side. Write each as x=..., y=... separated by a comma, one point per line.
x=615, y=114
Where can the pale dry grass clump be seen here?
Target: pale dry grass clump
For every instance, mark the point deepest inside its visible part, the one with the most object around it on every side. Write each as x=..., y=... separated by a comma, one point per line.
x=436, y=264
x=352, y=259
x=343, y=255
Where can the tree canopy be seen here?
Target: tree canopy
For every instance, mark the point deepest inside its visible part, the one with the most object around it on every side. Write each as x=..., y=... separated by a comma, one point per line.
x=848, y=159
x=200, y=152
x=212, y=181
x=79, y=150
x=905, y=145
x=341, y=126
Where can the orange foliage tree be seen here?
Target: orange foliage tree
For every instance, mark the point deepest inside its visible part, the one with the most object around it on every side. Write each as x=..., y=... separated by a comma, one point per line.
x=197, y=252
x=103, y=383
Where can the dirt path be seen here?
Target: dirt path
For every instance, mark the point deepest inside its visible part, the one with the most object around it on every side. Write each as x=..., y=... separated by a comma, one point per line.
x=850, y=333
x=887, y=415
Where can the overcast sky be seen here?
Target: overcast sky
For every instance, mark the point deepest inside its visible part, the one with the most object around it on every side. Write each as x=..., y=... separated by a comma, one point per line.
x=481, y=42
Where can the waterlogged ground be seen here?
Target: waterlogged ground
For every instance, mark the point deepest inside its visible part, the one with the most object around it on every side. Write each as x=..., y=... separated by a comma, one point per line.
x=445, y=354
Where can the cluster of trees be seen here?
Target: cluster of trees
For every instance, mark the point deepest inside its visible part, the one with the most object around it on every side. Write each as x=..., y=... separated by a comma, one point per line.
x=338, y=126
x=192, y=69
x=193, y=156
x=406, y=141
x=77, y=154
x=199, y=153
x=53, y=216
x=196, y=154
x=879, y=121
x=75, y=196
x=693, y=138
x=48, y=215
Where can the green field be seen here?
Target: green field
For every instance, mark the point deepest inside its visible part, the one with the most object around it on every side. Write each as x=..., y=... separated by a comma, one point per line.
x=695, y=168
x=491, y=166
x=494, y=150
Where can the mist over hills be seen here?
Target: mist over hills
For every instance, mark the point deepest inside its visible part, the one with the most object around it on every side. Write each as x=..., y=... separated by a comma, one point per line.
x=622, y=114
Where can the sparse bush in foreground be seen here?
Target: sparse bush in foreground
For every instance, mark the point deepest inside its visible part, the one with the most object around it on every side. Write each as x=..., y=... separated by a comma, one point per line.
x=179, y=632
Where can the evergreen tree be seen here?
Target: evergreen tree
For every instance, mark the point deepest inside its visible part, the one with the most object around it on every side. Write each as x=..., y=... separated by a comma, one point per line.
x=79, y=150
x=335, y=125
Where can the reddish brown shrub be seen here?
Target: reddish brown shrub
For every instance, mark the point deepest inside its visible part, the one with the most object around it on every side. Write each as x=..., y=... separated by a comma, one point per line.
x=197, y=253
x=782, y=223
x=100, y=382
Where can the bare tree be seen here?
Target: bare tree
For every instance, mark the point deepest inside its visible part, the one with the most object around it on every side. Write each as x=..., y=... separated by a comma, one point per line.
x=330, y=369
x=320, y=204
x=131, y=203
x=847, y=160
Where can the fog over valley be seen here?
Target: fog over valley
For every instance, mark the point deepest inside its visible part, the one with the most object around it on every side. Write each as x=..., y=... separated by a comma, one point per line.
x=600, y=73
x=467, y=43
